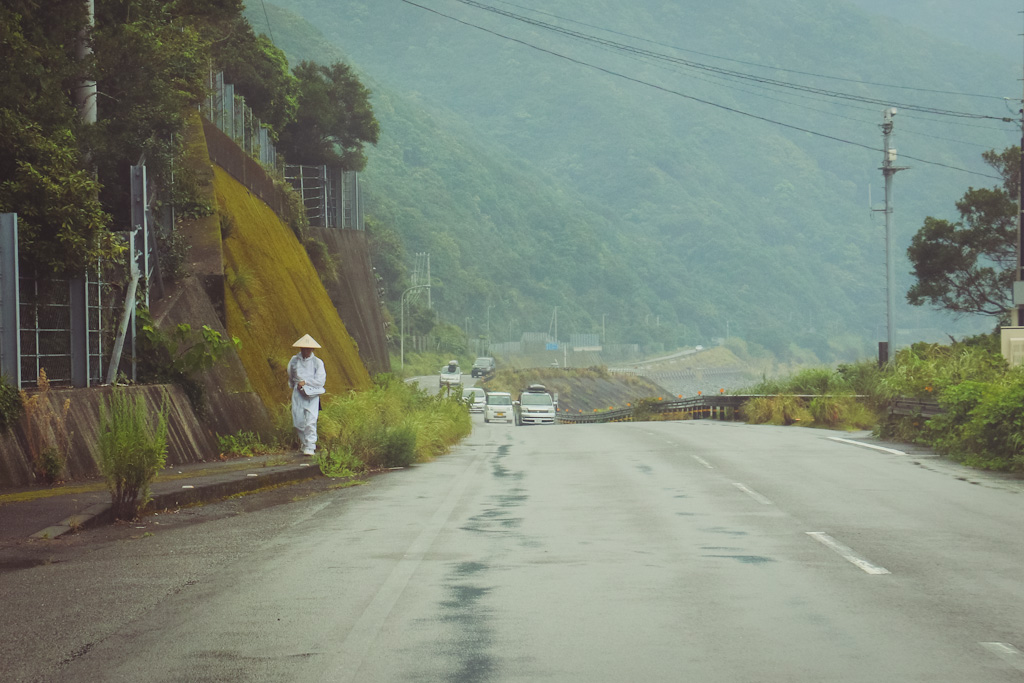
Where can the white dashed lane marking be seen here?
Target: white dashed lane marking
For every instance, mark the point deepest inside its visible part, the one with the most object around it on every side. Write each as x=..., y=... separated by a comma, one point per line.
x=752, y=493
x=847, y=553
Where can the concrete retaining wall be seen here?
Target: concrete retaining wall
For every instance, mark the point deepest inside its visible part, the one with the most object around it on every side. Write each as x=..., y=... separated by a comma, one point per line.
x=354, y=293
x=188, y=441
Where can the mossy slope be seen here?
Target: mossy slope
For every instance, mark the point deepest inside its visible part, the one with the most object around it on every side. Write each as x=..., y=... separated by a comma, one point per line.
x=274, y=296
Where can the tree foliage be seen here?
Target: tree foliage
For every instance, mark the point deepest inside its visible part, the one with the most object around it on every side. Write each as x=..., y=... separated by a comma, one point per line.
x=967, y=266
x=42, y=175
x=334, y=118
x=151, y=61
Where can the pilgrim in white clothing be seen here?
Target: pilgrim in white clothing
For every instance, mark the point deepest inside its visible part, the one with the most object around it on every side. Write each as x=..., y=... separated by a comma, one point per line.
x=306, y=377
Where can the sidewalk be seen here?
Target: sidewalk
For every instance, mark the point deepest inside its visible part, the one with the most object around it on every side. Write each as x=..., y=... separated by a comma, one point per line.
x=50, y=511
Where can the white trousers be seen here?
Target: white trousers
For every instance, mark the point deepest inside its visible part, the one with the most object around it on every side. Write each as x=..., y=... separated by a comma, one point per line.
x=304, y=420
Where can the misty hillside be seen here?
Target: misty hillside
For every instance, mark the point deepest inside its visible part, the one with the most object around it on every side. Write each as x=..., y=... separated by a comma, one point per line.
x=538, y=181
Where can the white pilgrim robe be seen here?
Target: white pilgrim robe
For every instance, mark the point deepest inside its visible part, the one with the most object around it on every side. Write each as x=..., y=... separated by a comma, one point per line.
x=306, y=401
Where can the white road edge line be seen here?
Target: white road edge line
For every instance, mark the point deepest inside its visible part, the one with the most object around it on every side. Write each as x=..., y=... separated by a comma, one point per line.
x=752, y=493
x=1008, y=653
x=847, y=553
x=702, y=461
x=883, y=449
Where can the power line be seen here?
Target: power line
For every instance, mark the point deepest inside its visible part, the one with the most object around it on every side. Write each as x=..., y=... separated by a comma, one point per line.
x=269, y=29
x=684, y=95
x=707, y=67
x=754, y=64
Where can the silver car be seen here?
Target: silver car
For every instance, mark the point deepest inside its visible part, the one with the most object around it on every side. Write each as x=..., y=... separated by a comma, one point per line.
x=474, y=397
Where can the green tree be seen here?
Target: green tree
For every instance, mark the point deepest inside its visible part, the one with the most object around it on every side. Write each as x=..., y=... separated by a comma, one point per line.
x=334, y=118
x=42, y=175
x=966, y=267
x=259, y=72
x=151, y=69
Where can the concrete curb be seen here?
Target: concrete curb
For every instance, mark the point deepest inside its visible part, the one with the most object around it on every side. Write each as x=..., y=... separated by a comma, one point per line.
x=193, y=493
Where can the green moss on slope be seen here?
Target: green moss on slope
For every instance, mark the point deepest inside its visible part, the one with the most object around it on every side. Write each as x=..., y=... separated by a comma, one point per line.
x=273, y=296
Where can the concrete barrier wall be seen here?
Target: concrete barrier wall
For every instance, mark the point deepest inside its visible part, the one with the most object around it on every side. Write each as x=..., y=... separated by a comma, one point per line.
x=354, y=294
x=188, y=441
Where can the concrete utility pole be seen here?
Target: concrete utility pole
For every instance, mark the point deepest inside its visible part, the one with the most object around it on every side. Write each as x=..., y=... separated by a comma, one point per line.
x=401, y=304
x=888, y=171
x=85, y=92
x=1018, y=285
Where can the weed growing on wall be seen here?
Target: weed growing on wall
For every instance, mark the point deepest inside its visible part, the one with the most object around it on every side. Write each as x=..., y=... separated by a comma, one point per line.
x=11, y=404
x=46, y=430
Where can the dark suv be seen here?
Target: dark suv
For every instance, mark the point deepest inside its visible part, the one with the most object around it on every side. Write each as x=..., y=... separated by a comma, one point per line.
x=483, y=366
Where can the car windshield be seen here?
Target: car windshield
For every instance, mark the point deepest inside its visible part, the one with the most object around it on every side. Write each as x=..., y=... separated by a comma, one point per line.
x=535, y=399
x=483, y=361
x=499, y=400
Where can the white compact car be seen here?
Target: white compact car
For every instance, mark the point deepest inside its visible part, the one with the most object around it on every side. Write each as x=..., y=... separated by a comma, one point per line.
x=498, y=407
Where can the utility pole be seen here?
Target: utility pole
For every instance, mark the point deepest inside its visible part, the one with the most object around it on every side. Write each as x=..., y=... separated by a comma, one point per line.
x=401, y=303
x=85, y=91
x=888, y=171
x=1018, y=285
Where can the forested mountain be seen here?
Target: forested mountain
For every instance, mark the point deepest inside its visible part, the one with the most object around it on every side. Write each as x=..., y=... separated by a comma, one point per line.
x=677, y=184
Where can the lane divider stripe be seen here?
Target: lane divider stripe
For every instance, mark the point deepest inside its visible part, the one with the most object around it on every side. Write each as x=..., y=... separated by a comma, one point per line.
x=752, y=493
x=702, y=461
x=847, y=553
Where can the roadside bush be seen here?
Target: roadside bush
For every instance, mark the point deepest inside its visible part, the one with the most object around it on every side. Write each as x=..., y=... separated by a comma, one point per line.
x=827, y=410
x=336, y=460
x=178, y=355
x=391, y=425
x=245, y=444
x=643, y=410
x=926, y=370
x=11, y=404
x=993, y=435
x=776, y=410
x=864, y=379
x=945, y=432
x=132, y=450
x=841, y=411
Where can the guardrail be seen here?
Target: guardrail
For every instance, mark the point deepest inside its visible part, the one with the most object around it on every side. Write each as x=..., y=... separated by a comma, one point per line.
x=723, y=407
x=717, y=407
x=914, y=406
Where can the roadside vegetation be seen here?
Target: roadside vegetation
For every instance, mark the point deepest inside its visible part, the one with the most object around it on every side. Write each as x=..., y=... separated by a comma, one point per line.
x=981, y=423
x=980, y=401
x=389, y=425
x=132, y=450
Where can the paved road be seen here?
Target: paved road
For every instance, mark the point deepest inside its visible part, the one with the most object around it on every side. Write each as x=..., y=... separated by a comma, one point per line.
x=676, y=551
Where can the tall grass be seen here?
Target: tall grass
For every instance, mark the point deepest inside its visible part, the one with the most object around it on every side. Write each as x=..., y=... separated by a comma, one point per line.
x=392, y=424
x=132, y=450
x=847, y=397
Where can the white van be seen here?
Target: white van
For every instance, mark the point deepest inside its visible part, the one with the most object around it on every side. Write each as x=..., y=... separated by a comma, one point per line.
x=536, y=406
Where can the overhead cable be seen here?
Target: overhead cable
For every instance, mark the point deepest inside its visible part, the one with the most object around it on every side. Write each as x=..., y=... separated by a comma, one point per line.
x=684, y=95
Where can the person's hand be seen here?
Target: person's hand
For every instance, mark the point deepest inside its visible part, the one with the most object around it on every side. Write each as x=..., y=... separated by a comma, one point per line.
x=302, y=383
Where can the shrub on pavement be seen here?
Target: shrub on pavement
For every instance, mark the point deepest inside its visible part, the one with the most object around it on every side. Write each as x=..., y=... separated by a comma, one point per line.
x=132, y=450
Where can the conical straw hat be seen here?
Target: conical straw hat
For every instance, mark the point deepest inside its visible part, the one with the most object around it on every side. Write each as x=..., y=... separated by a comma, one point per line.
x=306, y=342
